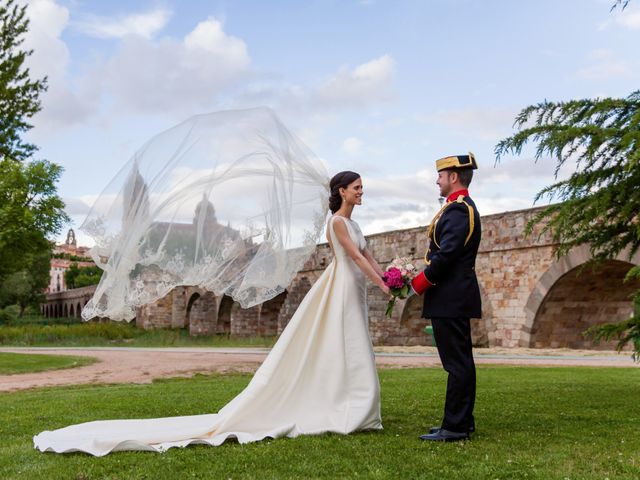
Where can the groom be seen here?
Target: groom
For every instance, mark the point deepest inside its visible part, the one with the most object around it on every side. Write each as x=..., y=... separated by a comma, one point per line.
x=451, y=293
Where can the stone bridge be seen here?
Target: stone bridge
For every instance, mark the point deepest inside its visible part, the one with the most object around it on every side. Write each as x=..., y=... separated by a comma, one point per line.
x=68, y=303
x=530, y=298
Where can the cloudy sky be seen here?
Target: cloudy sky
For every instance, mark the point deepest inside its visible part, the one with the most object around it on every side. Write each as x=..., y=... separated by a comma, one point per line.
x=377, y=86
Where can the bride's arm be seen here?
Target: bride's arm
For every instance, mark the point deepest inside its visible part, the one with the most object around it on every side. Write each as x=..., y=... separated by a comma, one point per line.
x=340, y=229
x=372, y=261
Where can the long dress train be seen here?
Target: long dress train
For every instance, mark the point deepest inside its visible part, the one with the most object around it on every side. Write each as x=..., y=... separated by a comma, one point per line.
x=319, y=377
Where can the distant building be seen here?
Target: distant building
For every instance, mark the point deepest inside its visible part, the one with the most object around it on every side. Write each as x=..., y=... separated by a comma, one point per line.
x=63, y=256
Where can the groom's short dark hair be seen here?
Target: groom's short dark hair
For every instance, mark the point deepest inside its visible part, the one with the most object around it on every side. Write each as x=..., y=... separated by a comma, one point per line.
x=465, y=175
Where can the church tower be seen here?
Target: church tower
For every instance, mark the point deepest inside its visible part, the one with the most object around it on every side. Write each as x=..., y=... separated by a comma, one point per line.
x=71, y=242
x=135, y=201
x=205, y=215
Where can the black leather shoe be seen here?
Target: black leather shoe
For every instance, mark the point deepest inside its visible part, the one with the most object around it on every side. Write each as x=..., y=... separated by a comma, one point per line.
x=443, y=435
x=437, y=429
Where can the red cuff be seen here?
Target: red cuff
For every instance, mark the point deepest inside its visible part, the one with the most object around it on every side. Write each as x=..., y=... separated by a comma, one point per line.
x=420, y=283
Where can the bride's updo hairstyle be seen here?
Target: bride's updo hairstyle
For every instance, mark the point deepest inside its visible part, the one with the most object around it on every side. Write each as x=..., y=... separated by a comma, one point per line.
x=340, y=180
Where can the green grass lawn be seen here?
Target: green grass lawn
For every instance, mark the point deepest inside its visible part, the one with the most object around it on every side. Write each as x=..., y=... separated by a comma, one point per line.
x=93, y=334
x=11, y=363
x=533, y=423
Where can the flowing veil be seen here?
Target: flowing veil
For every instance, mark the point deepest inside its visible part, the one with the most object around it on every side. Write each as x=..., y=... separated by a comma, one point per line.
x=230, y=201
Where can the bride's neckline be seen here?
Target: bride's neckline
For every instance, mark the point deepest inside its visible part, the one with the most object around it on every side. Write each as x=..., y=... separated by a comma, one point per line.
x=341, y=216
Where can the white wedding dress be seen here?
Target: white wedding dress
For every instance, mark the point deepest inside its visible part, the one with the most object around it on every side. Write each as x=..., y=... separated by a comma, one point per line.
x=319, y=377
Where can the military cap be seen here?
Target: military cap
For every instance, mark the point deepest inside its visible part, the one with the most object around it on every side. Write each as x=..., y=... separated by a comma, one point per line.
x=457, y=162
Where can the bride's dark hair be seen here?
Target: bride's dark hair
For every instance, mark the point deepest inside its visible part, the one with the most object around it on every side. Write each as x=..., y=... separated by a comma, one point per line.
x=340, y=180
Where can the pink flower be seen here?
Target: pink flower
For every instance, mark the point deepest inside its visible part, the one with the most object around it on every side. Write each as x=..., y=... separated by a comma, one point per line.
x=393, y=278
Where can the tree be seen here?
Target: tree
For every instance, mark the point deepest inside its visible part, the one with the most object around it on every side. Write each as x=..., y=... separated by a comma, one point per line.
x=30, y=210
x=599, y=204
x=77, y=277
x=19, y=95
x=25, y=288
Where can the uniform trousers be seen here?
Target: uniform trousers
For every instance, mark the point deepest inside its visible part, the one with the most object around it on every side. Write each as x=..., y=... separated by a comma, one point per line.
x=453, y=339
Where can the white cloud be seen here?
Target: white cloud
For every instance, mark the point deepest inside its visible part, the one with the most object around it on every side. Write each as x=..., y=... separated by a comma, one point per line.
x=406, y=188
x=406, y=201
x=47, y=20
x=144, y=25
x=352, y=145
x=602, y=66
x=514, y=169
x=182, y=76
x=393, y=202
x=513, y=183
x=361, y=88
x=486, y=123
x=76, y=206
x=629, y=19
x=365, y=84
x=210, y=37
x=143, y=76
x=488, y=205
x=61, y=104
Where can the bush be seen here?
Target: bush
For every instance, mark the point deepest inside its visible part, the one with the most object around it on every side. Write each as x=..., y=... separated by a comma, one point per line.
x=39, y=334
x=31, y=316
x=77, y=277
x=9, y=314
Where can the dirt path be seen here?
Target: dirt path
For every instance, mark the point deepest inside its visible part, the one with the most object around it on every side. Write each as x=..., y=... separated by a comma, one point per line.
x=142, y=365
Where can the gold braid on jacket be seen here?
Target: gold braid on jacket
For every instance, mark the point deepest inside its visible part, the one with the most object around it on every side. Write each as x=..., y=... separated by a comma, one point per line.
x=432, y=226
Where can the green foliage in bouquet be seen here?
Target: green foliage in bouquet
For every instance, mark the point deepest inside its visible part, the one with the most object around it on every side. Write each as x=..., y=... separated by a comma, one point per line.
x=397, y=293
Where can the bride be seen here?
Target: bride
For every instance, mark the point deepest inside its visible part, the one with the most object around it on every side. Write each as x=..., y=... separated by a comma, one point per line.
x=319, y=377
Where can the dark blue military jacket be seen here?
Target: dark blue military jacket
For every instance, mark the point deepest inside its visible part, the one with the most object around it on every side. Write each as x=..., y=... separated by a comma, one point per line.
x=453, y=246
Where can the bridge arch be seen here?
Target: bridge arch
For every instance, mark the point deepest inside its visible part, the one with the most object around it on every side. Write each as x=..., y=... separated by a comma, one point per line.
x=572, y=296
x=193, y=310
x=224, y=315
x=200, y=317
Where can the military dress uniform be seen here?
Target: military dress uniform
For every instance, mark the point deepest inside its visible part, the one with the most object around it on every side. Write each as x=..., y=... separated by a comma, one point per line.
x=452, y=295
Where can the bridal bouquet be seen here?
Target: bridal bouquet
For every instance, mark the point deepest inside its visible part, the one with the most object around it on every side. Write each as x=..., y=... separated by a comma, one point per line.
x=398, y=278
